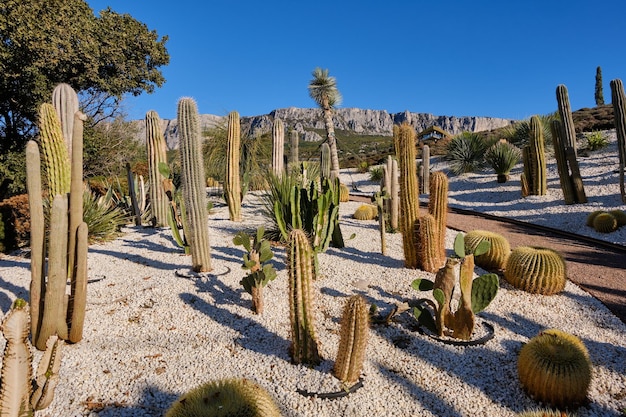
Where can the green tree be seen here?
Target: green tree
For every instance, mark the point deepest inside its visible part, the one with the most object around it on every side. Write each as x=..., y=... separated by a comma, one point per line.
x=46, y=42
x=323, y=90
x=599, y=94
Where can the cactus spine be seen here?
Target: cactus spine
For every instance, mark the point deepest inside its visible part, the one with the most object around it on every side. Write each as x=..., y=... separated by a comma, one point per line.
x=278, y=147
x=301, y=270
x=193, y=184
x=535, y=157
x=156, y=149
x=353, y=340
x=619, y=110
x=325, y=160
x=232, y=183
x=536, y=270
x=568, y=141
x=404, y=140
x=425, y=169
x=65, y=102
x=438, y=208
x=294, y=143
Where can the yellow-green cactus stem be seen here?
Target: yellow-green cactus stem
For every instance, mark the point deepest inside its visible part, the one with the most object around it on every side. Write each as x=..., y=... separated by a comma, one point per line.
x=353, y=340
x=365, y=212
x=56, y=159
x=536, y=270
x=495, y=258
x=620, y=216
x=538, y=180
x=344, y=193
x=65, y=101
x=554, y=367
x=157, y=154
x=591, y=217
x=235, y=397
x=438, y=207
x=429, y=253
x=605, y=223
x=232, y=182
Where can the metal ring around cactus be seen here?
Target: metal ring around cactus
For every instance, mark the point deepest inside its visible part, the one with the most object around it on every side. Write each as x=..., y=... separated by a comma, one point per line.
x=454, y=342
x=332, y=395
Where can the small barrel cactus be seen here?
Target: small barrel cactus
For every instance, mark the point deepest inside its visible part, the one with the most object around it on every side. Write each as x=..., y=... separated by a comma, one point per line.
x=344, y=193
x=620, y=216
x=353, y=340
x=366, y=212
x=225, y=398
x=499, y=249
x=554, y=367
x=591, y=217
x=536, y=270
x=605, y=223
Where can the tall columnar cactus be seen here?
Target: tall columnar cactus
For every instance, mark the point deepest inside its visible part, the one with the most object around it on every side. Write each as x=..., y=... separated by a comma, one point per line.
x=404, y=140
x=304, y=344
x=426, y=169
x=232, y=183
x=353, y=340
x=193, y=184
x=325, y=160
x=619, y=111
x=294, y=146
x=554, y=367
x=65, y=101
x=278, y=147
x=538, y=183
x=536, y=270
x=438, y=208
x=157, y=154
x=568, y=136
x=56, y=158
x=428, y=251
x=567, y=183
x=379, y=199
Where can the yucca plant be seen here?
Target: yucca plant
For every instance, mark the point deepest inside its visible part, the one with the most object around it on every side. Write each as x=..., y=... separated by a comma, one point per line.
x=466, y=152
x=518, y=133
x=103, y=216
x=502, y=156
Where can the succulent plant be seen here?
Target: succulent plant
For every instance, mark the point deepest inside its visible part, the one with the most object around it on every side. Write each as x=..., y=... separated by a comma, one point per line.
x=294, y=145
x=554, y=367
x=301, y=269
x=605, y=223
x=537, y=270
x=235, y=397
x=65, y=102
x=620, y=216
x=344, y=193
x=232, y=183
x=156, y=149
x=591, y=217
x=391, y=189
x=619, y=111
x=438, y=208
x=379, y=198
x=56, y=160
x=428, y=249
x=278, y=147
x=499, y=249
x=425, y=169
x=365, y=212
x=325, y=160
x=353, y=340
x=535, y=159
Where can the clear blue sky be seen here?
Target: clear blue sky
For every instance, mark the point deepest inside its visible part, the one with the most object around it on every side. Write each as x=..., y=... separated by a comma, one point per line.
x=494, y=58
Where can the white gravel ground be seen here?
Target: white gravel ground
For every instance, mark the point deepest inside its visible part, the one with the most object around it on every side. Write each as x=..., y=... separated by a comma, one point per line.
x=151, y=335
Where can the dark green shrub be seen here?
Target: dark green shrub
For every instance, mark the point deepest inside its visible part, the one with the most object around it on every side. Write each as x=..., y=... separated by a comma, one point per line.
x=376, y=173
x=14, y=223
x=502, y=157
x=596, y=140
x=466, y=153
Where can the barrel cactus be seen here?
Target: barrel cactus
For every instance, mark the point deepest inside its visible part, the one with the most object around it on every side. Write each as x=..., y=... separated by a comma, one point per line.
x=353, y=340
x=233, y=397
x=620, y=216
x=344, y=193
x=537, y=270
x=554, y=367
x=495, y=258
x=605, y=223
x=366, y=212
x=591, y=217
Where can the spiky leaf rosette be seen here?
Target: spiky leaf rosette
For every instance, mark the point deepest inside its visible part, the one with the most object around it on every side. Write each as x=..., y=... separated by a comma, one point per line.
x=353, y=340
x=554, y=367
x=225, y=398
x=499, y=249
x=605, y=223
x=536, y=270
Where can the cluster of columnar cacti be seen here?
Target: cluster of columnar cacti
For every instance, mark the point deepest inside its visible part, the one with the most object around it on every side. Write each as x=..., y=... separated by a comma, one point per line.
x=476, y=294
x=618, y=99
x=353, y=340
x=554, y=367
x=536, y=270
x=294, y=146
x=302, y=273
x=278, y=147
x=366, y=212
x=232, y=182
x=534, y=157
x=233, y=397
x=156, y=149
x=193, y=185
x=425, y=169
x=20, y=393
x=499, y=249
x=255, y=261
x=564, y=138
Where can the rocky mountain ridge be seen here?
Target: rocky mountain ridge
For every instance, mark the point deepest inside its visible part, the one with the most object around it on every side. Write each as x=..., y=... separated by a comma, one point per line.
x=359, y=121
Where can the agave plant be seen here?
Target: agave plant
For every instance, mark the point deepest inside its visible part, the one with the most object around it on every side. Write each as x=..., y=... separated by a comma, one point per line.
x=502, y=157
x=103, y=216
x=466, y=152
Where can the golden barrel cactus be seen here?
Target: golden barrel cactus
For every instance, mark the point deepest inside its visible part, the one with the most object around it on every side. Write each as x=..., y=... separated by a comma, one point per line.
x=536, y=270
x=495, y=258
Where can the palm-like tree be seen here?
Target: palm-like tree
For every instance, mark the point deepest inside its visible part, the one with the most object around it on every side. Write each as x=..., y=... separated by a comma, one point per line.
x=323, y=89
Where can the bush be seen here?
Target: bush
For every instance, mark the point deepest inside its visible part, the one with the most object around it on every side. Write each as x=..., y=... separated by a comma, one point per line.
x=103, y=217
x=376, y=173
x=596, y=140
x=502, y=157
x=363, y=167
x=466, y=153
x=14, y=223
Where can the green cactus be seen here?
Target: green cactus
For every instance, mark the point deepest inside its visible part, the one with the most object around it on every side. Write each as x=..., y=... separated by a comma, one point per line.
x=344, y=193
x=353, y=340
x=193, y=184
x=391, y=188
x=565, y=179
x=304, y=344
x=591, y=217
x=294, y=144
x=438, y=208
x=536, y=158
x=499, y=249
x=620, y=216
x=255, y=261
x=404, y=140
x=554, y=367
x=278, y=147
x=536, y=270
x=236, y=397
x=365, y=212
x=379, y=198
x=232, y=182
x=56, y=159
x=65, y=102
x=605, y=223
x=157, y=154
x=544, y=413
x=325, y=160
x=176, y=213
x=425, y=169
x=428, y=250
x=618, y=99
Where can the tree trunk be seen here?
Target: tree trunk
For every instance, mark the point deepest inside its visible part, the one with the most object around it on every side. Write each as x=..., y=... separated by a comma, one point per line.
x=332, y=140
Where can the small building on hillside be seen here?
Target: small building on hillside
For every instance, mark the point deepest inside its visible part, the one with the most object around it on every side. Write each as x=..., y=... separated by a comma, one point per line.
x=432, y=135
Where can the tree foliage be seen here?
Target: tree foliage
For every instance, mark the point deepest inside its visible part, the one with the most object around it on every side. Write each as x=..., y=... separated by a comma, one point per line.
x=46, y=42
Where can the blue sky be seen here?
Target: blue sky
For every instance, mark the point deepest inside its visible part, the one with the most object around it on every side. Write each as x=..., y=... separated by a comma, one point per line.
x=480, y=58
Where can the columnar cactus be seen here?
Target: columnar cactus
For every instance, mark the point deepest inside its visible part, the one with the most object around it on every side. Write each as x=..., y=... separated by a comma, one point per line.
x=619, y=111
x=192, y=183
x=537, y=159
x=438, y=208
x=157, y=154
x=391, y=188
x=353, y=340
x=499, y=249
x=278, y=147
x=536, y=270
x=225, y=398
x=567, y=184
x=301, y=269
x=404, y=140
x=56, y=159
x=426, y=169
x=428, y=250
x=65, y=101
x=294, y=146
x=379, y=199
x=325, y=160
x=232, y=183
x=554, y=367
